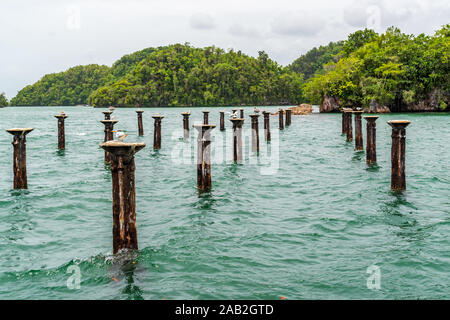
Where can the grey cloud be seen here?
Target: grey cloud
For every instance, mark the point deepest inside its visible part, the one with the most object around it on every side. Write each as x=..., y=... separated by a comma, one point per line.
x=297, y=24
x=240, y=31
x=202, y=21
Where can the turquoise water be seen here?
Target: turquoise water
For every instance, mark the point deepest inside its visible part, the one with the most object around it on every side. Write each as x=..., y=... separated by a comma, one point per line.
x=308, y=231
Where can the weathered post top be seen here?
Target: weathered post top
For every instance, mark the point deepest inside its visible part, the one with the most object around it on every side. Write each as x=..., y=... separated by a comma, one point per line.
x=107, y=112
x=62, y=115
x=399, y=124
x=19, y=131
x=157, y=116
x=237, y=122
x=356, y=111
x=371, y=118
x=205, y=111
x=139, y=111
x=109, y=121
x=186, y=113
x=203, y=126
x=120, y=148
x=221, y=111
x=254, y=116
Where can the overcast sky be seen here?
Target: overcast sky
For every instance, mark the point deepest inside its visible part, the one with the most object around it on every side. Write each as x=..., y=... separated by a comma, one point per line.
x=39, y=37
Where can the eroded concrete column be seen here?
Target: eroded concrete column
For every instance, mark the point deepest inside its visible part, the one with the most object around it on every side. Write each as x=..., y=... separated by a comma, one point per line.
x=348, y=124
x=359, y=145
x=398, y=178
x=204, y=156
x=186, y=124
x=222, y=120
x=280, y=119
x=109, y=135
x=255, y=132
x=124, y=193
x=140, y=124
x=61, y=131
x=107, y=115
x=20, y=156
x=371, y=140
x=288, y=117
x=157, y=132
x=266, y=115
x=237, y=139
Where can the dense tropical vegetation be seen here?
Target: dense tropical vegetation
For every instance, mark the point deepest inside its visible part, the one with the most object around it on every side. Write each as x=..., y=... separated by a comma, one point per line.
x=180, y=75
x=314, y=60
x=3, y=100
x=71, y=87
x=392, y=69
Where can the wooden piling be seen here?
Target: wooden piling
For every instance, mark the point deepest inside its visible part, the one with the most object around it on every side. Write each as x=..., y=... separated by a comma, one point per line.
x=359, y=145
x=204, y=156
x=205, y=116
x=398, y=178
x=186, y=124
x=371, y=140
x=20, y=156
x=222, y=120
x=237, y=139
x=255, y=132
x=344, y=122
x=157, y=132
x=140, y=124
x=61, y=131
x=280, y=119
x=124, y=193
x=266, y=115
x=242, y=113
x=109, y=127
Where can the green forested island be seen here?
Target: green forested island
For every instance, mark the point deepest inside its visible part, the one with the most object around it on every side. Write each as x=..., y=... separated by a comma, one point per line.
x=380, y=72
x=3, y=100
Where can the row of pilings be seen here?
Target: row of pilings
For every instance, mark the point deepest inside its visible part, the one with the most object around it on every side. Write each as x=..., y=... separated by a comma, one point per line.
x=398, y=147
x=120, y=156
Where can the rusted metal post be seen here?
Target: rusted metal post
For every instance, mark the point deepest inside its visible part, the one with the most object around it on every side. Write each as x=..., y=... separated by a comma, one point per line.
x=109, y=127
x=140, y=124
x=61, y=131
x=157, y=132
x=237, y=139
x=371, y=140
x=359, y=145
x=205, y=116
x=107, y=115
x=242, y=113
x=124, y=193
x=288, y=117
x=204, y=156
x=280, y=118
x=348, y=124
x=266, y=115
x=398, y=179
x=20, y=156
x=255, y=132
x=186, y=124
x=222, y=120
